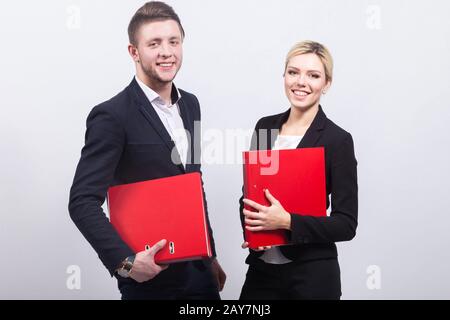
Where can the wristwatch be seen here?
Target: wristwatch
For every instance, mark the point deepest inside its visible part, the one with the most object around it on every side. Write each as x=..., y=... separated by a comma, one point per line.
x=125, y=267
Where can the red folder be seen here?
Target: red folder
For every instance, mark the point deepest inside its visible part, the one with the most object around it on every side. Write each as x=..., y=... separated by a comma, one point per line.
x=168, y=208
x=296, y=177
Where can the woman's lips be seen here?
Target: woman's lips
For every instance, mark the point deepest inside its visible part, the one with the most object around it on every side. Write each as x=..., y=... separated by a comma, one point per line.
x=300, y=94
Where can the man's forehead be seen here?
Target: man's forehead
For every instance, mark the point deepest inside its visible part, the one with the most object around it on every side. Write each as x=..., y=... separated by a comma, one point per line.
x=160, y=29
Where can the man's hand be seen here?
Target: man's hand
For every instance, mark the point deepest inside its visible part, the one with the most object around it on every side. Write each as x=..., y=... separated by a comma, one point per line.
x=144, y=266
x=218, y=273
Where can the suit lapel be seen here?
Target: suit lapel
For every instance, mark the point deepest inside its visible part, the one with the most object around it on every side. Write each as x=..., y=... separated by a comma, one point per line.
x=149, y=113
x=311, y=136
x=276, y=128
x=188, y=125
x=314, y=131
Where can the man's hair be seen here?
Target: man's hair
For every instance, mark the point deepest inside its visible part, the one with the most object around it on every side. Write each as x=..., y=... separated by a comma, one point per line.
x=318, y=49
x=150, y=12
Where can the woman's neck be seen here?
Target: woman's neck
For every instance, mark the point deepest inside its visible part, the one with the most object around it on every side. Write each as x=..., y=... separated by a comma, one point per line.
x=299, y=121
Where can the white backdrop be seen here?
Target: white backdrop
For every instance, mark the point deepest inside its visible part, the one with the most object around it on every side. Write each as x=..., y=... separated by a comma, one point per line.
x=390, y=90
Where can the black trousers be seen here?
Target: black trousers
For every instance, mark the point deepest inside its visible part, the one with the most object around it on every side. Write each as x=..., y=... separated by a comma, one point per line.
x=181, y=281
x=308, y=280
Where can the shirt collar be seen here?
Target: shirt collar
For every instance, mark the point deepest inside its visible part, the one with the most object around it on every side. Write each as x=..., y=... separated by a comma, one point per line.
x=152, y=96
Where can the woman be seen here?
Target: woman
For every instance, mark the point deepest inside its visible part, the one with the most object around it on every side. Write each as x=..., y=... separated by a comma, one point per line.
x=308, y=268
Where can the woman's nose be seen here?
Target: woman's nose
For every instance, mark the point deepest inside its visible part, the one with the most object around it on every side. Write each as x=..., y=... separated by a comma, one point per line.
x=301, y=80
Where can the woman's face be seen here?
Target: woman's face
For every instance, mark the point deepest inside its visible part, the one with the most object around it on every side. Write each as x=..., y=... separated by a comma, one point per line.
x=305, y=81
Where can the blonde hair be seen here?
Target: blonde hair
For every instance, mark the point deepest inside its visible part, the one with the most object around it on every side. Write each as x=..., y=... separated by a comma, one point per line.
x=318, y=49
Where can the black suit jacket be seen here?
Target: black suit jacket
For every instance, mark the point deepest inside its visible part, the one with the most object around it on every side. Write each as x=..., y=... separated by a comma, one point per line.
x=126, y=142
x=314, y=237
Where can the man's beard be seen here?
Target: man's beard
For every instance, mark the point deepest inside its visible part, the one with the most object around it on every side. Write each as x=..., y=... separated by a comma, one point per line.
x=154, y=76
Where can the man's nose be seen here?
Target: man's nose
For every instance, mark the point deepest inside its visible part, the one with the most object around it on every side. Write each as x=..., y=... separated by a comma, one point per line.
x=165, y=50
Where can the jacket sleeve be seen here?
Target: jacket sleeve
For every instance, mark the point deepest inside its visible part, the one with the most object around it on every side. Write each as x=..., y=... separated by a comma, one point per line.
x=254, y=145
x=197, y=160
x=104, y=141
x=342, y=223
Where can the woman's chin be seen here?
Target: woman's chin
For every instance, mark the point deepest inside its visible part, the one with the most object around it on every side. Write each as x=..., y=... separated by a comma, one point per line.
x=304, y=106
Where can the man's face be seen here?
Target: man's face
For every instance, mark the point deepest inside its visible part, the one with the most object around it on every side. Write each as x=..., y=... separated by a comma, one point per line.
x=160, y=51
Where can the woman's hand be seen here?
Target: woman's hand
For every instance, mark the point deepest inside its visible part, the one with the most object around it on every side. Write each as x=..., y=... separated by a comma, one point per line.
x=267, y=218
x=245, y=246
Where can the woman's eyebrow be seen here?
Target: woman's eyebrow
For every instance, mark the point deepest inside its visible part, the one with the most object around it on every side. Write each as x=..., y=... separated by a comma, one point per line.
x=295, y=68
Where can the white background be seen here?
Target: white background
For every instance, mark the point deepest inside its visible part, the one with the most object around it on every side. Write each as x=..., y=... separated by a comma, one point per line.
x=390, y=90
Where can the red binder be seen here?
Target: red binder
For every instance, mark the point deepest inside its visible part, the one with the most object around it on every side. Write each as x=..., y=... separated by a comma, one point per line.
x=169, y=208
x=295, y=177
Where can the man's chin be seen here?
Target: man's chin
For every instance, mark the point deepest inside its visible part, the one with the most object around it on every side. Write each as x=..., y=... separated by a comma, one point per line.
x=166, y=78
x=160, y=78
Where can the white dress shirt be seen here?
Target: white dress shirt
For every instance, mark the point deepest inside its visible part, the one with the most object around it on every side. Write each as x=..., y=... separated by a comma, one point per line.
x=171, y=118
x=274, y=255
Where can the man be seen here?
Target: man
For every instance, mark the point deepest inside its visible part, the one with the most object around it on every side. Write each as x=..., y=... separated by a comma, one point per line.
x=135, y=136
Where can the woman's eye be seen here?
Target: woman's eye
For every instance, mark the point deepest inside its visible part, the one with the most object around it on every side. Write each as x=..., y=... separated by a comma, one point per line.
x=315, y=76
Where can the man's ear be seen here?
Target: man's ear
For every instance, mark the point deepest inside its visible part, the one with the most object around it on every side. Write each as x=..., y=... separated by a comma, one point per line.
x=134, y=53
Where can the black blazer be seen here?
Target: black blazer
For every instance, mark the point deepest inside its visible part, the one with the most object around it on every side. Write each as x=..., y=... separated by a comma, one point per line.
x=314, y=237
x=126, y=142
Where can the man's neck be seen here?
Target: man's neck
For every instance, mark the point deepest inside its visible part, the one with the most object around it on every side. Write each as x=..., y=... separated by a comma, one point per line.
x=163, y=89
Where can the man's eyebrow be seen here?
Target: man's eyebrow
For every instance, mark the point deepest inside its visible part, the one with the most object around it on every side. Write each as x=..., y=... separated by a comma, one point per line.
x=160, y=39
x=153, y=39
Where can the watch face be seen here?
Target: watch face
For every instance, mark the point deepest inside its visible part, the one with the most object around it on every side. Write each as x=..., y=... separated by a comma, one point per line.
x=123, y=273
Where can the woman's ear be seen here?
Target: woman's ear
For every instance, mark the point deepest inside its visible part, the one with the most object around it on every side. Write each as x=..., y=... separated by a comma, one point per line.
x=327, y=87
